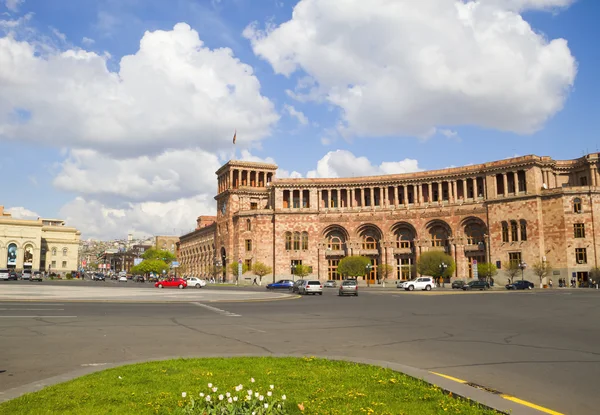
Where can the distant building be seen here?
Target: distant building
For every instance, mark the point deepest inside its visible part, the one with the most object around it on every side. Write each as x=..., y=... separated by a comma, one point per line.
x=196, y=250
x=166, y=243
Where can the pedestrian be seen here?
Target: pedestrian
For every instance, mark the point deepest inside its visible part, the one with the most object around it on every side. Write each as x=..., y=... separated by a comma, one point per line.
x=550, y=283
x=254, y=282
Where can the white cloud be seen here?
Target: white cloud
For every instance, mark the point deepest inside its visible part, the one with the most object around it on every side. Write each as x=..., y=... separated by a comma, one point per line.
x=449, y=134
x=404, y=67
x=342, y=163
x=174, y=92
x=19, y=212
x=294, y=113
x=172, y=175
x=13, y=5
x=87, y=41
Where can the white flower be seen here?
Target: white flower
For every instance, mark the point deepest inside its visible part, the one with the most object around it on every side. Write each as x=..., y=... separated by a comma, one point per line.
x=250, y=392
x=256, y=394
x=220, y=397
x=207, y=398
x=269, y=393
x=235, y=398
x=228, y=394
x=183, y=394
x=120, y=377
x=261, y=398
x=266, y=405
x=252, y=380
x=230, y=400
x=240, y=387
x=272, y=387
x=201, y=395
x=283, y=398
x=210, y=385
x=253, y=413
x=215, y=389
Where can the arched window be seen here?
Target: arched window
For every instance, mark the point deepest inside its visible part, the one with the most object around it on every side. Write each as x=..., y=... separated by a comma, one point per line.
x=577, y=205
x=65, y=251
x=288, y=241
x=296, y=241
x=335, y=243
x=404, y=239
x=523, y=230
x=369, y=243
x=248, y=225
x=474, y=233
x=504, y=232
x=514, y=231
x=305, y=241
x=439, y=236
x=53, y=251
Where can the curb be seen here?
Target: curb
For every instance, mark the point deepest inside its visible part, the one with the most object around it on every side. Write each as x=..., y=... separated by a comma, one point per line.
x=502, y=403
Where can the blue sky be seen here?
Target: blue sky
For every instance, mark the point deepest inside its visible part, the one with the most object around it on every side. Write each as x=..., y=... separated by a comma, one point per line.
x=114, y=144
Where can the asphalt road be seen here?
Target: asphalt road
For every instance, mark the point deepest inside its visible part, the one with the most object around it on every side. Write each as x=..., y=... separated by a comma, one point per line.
x=541, y=346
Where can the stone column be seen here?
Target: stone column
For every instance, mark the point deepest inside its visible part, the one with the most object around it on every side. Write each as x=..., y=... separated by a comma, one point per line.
x=351, y=196
x=405, y=195
x=301, y=197
x=419, y=193
x=362, y=197
x=505, y=181
x=454, y=195
x=384, y=192
x=516, y=176
x=372, y=191
x=464, y=186
x=440, y=196
x=396, y=196
x=429, y=187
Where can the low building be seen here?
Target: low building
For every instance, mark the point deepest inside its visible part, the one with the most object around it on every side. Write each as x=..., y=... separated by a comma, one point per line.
x=196, y=250
x=166, y=243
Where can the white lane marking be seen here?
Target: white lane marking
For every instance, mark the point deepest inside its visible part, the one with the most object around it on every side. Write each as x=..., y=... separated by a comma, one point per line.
x=33, y=303
x=38, y=316
x=252, y=328
x=216, y=310
x=32, y=309
x=94, y=364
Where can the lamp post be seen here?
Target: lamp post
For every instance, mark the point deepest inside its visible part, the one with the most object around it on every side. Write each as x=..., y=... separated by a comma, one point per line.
x=368, y=267
x=443, y=267
x=293, y=269
x=522, y=266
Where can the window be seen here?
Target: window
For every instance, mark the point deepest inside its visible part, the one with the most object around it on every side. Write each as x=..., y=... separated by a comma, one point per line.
x=248, y=225
x=523, y=230
x=404, y=239
x=53, y=251
x=504, y=232
x=248, y=245
x=305, y=241
x=288, y=241
x=577, y=205
x=406, y=268
x=514, y=257
x=369, y=243
x=335, y=243
x=65, y=251
x=296, y=241
x=579, y=229
x=248, y=264
x=305, y=199
x=253, y=206
x=53, y=264
x=332, y=266
x=514, y=231
x=286, y=199
x=64, y=264
x=296, y=199
x=581, y=255
x=583, y=181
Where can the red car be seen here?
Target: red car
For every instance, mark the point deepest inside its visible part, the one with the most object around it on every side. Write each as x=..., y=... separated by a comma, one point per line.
x=171, y=282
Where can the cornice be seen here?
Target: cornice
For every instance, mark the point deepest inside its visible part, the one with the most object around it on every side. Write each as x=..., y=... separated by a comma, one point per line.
x=246, y=164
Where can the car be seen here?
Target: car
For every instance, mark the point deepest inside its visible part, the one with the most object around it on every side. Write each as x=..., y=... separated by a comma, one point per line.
x=152, y=278
x=26, y=274
x=139, y=278
x=297, y=284
x=196, y=282
x=476, y=285
x=348, y=287
x=311, y=287
x=330, y=284
x=281, y=284
x=12, y=275
x=421, y=283
x=123, y=279
x=171, y=282
x=403, y=284
x=36, y=276
x=520, y=285
x=458, y=284
x=98, y=277
x=4, y=274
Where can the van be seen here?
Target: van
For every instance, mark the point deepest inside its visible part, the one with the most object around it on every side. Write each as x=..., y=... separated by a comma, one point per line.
x=4, y=274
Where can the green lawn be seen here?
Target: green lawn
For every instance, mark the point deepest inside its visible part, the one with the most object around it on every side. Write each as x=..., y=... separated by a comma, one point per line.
x=320, y=386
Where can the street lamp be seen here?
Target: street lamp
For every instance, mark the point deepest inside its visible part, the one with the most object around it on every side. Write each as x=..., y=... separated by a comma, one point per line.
x=293, y=268
x=368, y=267
x=443, y=267
x=522, y=266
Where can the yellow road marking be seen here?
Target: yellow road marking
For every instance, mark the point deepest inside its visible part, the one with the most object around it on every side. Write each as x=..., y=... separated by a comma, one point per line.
x=449, y=377
x=531, y=405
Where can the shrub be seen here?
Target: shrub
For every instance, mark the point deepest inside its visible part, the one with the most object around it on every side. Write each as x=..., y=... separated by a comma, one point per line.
x=69, y=276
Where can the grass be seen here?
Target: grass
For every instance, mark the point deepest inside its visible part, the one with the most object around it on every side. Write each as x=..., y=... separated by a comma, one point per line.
x=320, y=386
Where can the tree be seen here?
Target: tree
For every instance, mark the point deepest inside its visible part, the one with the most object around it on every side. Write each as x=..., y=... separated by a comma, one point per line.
x=156, y=266
x=512, y=269
x=215, y=271
x=594, y=275
x=542, y=269
x=385, y=271
x=353, y=266
x=430, y=264
x=233, y=268
x=487, y=270
x=301, y=270
x=163, y=255
x=261, y=270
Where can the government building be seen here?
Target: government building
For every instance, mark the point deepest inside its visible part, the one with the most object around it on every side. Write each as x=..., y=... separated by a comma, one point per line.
x=38, y=245
x=525, y=210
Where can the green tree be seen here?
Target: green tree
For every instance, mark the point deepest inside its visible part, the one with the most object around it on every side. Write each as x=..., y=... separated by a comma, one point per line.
x=512, y=269
x=353, y=266
x=147, y=266
x=261, y=270
x=233, y=268
x=429, y=263
x=385, y=271
x=486, y=270
x=216, y=271
x=301, y=271
x=594, y=275
x=163, y=255
x=542, y=269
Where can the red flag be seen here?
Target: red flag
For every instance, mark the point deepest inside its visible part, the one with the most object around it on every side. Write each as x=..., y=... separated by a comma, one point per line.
x=234, y=136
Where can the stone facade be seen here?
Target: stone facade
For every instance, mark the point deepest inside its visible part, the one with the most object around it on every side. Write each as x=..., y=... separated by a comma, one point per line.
x=525, y=209
x=166, y=243
x=42, y=244
x=196, y=250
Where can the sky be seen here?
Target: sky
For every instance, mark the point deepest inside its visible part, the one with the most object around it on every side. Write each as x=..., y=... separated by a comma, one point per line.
x=115, y=114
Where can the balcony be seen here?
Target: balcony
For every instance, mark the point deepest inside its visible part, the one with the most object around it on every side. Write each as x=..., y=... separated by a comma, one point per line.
x=438, y=248
x=474, y=248
x=334, y=253
x=369, y=252
x=403, y=251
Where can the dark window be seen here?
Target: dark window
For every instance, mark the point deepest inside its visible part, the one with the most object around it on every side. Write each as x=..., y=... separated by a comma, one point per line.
x=581, y=255
x=248, y=245
x=504, y=232
x=523, y=230
x=579, y=230
x=514, y=231
x=305, y=241
x=514, y=257
x=296, y=241
x=577, y=205
x=288, y=241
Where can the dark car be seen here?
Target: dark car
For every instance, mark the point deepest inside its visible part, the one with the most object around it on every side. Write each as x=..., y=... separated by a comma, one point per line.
x=13, y=276
x=476, y=285
x=139, y=278
x=281, y=285
x=98, y=277
x=520, y=285
x=458, y=284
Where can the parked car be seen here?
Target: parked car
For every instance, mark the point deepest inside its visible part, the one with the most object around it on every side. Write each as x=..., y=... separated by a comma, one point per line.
x=458, y=284
x=196, y=282
x=123, y=279
x=36, y=276
x=297, y=284
x=12, y=275
x=152, y=278
x=171, y=282
x=311, y=287
x=139, y=278
x=26, y=274
x=403, y=284
x=281, y=284
x=476, y=285
x=422, y=283
x=330, y=284
x=348, y=287
x=4, y=274
x=98, y=277
x=520, y=285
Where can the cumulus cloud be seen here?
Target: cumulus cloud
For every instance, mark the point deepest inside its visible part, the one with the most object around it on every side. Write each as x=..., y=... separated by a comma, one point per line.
x=342, y=163
x=294, y=113
x=13, y=5
x=404, y=67
x=87, y=41
x=173, y=92
x=19, y=212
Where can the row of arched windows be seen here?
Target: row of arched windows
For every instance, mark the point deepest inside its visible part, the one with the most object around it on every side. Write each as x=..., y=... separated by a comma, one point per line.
x=65, y=251
x=296, y=241
x=514, y=231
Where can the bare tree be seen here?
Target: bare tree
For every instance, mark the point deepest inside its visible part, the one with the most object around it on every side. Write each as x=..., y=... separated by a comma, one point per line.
x=512, y=269
x=542, y=269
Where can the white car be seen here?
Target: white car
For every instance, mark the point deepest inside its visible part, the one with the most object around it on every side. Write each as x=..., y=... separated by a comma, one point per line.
x=123, y=279
x=402, y=284
x=422, y=283
x=195, y=282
